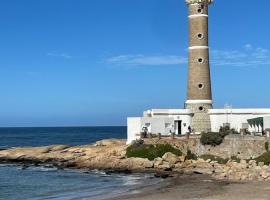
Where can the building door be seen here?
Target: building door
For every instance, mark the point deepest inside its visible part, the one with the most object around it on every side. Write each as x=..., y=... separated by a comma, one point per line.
x=178, y=127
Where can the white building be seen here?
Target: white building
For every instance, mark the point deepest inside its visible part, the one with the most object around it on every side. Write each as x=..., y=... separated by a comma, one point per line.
x=167, y=121
x=198, y=114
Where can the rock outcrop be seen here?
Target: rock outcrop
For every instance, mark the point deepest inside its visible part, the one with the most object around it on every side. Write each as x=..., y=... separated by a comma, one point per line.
x=110, y=155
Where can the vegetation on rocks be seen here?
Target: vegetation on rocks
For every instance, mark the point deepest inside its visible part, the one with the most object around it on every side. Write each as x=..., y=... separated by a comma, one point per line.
x=265, y=158
x=266, y=146
x=213, y=139
x=150, y=151
x=236, y=159
x=191, y=156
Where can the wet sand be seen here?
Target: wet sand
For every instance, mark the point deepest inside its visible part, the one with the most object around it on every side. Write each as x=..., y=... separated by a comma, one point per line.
x=204, y=188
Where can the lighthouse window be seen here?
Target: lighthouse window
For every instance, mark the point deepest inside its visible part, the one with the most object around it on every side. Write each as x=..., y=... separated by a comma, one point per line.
x=200, y=60
x=199, y=10
x=200, y=86
x=200, y=36
x=201, y=108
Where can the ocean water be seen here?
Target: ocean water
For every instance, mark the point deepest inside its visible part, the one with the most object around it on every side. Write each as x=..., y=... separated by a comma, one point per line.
x=14, y=137
x=47, y=182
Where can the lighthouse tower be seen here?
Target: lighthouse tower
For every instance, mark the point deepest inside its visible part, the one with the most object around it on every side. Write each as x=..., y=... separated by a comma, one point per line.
x=199, y=97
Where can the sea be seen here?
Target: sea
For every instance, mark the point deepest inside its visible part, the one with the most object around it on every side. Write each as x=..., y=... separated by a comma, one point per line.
x=48, y=182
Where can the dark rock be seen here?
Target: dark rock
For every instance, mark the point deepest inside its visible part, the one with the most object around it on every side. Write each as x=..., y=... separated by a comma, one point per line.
x=162, y=175
x=118, y=171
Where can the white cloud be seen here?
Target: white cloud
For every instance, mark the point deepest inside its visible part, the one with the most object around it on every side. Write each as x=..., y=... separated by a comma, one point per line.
x=147, y=60
x=62, y=55
x=249, y=56
x=248, y=47
x=246, y=56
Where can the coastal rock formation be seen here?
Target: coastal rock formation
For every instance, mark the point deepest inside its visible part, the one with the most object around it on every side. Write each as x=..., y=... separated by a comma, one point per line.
x=110, y=155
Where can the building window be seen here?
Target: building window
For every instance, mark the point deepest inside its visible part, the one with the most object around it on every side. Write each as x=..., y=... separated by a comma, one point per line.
x=147, y=124
x=200, y=36
x=200, y=60
x=200, y=86
x=168, y=125
x=199, y=10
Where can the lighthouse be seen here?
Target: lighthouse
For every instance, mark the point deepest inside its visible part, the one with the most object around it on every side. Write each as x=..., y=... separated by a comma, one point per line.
x=198, y=113
x=199, y=95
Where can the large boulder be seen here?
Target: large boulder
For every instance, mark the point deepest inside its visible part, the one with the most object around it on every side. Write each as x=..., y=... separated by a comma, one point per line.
x=167, y=166
x=140, y=163
x=171, y=158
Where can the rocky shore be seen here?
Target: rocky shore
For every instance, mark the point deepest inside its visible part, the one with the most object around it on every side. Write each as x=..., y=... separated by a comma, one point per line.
x=110, y=156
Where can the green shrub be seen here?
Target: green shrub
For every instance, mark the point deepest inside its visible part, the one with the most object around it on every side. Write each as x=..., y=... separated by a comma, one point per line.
x=191, y=156
x=213, y=139
x=214, y=158
x=151, y=151
x=264, y=158
x=266, y=146
x=236, y=159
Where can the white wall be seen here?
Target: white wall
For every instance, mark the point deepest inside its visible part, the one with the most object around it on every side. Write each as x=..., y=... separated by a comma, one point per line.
x=266, y=122
x=157, y=125
x=183, y=115
x=134, y=128
x=236, y=117
x=159, y=117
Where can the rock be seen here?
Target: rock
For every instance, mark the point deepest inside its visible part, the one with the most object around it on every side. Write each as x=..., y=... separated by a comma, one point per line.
x=265, y=167
x=204, y=164
x=252, y=163
x=258, y=168
x=166, y=166
x=265, y=174
x=158, y=162
x=179, y=165
x=243, y=164
x=118, y=171
x=200, y=160
x=110, y=142
x=220, y=169
x=162, y=175
x=188, y=162
x=235, y=176
x=252, y=176
x=182, y=158
x=140, y=163
x=208, y=171
x=171, y=158
x=261, y=164
x=220, y=175
x=59, y=147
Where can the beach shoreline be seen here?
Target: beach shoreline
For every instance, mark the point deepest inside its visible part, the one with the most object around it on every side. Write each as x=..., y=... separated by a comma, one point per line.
x=203, y=187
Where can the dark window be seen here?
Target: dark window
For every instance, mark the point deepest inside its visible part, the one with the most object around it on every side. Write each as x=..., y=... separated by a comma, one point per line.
x=200, y=86
x=201, y=108
x=200, y=60
x=200, y=35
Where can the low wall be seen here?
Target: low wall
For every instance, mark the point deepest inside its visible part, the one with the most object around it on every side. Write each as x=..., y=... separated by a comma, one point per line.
x=243, y=147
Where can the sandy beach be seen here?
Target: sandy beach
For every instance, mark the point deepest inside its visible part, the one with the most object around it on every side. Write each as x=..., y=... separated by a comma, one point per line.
x=204, y=188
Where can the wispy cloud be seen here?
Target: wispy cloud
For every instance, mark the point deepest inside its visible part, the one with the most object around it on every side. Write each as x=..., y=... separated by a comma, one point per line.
x=147, y=60
x=61, y=55
x=243, y=57
x=247, y=56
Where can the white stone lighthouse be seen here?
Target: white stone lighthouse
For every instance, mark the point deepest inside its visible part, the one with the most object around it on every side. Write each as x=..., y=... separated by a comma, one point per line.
x=198, y=113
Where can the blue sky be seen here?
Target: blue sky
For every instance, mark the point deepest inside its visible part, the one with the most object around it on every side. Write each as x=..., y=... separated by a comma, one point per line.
x=95, y=62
